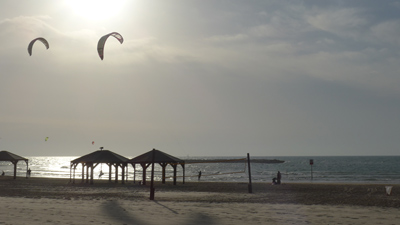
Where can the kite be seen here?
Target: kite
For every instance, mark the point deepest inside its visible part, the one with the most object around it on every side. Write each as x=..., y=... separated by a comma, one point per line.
x=37, y=39
x=92, y=142
x=102, y=42
x=47, y=138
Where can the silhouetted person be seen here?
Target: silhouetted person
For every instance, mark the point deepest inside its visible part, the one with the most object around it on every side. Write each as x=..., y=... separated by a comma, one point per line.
x=199, y=175
x=2, y=174
x=278, y=178
x=29, y=172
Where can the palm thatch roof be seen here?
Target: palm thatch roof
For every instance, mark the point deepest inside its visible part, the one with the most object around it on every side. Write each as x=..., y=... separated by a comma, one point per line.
x=101, y=156
x=159, y=157
x=8, y=156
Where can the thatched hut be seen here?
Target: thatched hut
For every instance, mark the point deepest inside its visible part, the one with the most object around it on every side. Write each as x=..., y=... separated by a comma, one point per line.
x=14, y=159
x=90, y=161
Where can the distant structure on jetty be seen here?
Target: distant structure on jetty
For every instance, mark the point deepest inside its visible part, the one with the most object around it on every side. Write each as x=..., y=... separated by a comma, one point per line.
x=270, y=161
x=266, y=161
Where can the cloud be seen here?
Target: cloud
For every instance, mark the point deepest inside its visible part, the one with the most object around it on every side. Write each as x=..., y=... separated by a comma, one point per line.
x=31, y=26
x=227, y=38
x=386, y=32
x=343, y=22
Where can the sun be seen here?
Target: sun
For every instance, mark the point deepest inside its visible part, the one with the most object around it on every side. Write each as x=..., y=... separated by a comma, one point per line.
x=95, y=9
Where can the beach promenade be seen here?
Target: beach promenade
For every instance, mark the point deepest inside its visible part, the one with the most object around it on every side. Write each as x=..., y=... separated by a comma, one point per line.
x=56, y=201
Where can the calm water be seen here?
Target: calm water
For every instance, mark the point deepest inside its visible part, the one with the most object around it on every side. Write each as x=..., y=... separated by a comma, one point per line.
x=358, y=169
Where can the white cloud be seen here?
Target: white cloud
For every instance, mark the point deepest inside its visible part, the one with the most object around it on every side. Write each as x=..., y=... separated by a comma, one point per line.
x=26, y=25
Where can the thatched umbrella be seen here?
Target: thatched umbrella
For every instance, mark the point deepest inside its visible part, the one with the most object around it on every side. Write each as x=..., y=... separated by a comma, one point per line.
x=14, y=159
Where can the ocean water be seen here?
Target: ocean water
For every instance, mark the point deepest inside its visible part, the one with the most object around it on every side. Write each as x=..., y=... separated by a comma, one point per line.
x=346, y=169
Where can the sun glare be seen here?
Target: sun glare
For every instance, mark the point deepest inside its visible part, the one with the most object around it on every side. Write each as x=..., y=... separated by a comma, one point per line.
x=96, y=9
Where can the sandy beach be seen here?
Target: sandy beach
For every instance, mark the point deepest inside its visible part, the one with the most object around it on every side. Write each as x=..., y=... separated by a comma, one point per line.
x=56, y=201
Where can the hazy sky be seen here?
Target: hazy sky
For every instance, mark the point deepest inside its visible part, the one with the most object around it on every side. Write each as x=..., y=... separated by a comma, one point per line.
x=201, y=78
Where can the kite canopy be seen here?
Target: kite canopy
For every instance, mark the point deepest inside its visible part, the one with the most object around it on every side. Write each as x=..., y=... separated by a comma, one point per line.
x=44, y=41
x=102, y=42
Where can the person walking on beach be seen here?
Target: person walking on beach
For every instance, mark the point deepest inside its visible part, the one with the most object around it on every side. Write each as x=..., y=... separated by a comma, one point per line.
x=199, y=176
x=2, y=174
x=29, y=172
x=278, y=178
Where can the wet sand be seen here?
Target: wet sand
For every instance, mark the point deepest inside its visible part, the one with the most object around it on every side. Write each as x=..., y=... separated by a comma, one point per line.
x=56, y=201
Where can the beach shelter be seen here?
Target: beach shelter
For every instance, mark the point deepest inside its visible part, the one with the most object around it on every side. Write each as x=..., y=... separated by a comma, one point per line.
x=162, y=158
x=14, y=159
x=91, y=160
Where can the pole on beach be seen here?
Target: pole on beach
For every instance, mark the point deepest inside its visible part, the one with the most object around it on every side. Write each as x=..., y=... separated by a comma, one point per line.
x=152, y=176
x=248, y=164
x=15, y=169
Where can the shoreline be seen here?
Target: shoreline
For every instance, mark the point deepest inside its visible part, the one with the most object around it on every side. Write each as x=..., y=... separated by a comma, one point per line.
x=130, y=180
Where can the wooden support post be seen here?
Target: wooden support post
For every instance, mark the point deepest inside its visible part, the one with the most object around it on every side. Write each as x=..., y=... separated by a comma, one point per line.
x=123, y=174
x=91, y=173
x=248, y=163
x=163, y=165
x=116, y=172
x=134, y=173
x=83, y=173
x=126, y=172
x=87, y=173
x=174, y=166
x=109, y=171
x=15, y=169
x=152, y=176
x=144, y=168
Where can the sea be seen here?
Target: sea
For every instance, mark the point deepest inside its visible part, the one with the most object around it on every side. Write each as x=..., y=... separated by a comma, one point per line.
x=324, y=169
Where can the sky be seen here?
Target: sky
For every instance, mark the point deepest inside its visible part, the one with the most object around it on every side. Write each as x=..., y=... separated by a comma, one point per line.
x=201, y=78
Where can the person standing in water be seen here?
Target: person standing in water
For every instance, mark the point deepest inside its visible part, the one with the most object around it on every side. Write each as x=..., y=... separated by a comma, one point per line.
x=278, y=178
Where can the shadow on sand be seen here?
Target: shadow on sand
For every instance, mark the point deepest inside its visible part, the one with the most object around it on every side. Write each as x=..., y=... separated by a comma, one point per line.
x=117, y=213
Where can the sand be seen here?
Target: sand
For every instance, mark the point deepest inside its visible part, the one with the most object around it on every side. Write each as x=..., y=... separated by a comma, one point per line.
x=55, y=201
